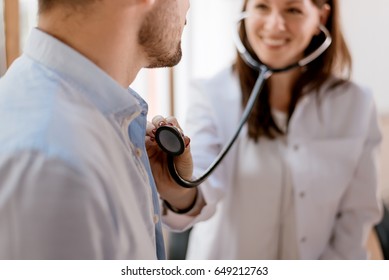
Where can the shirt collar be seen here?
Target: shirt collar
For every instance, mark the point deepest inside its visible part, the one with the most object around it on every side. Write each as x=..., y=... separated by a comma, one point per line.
x=94, y=84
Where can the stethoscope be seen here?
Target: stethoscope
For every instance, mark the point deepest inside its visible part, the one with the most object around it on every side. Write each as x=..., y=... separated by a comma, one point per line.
x=170, y=139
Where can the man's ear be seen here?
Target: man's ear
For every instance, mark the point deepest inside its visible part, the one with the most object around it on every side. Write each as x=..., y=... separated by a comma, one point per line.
x=146, y=2
x=324, y=13
x=143, y=5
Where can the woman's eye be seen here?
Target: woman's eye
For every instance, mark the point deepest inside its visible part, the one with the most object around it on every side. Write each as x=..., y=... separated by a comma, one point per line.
x=294, y=11
x=261, y=7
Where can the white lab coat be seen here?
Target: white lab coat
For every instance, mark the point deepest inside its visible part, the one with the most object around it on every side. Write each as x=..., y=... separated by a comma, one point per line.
x=331, y=145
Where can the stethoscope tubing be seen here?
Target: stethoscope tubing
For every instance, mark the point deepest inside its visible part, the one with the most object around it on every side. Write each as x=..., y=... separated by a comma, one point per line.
x=264, y=73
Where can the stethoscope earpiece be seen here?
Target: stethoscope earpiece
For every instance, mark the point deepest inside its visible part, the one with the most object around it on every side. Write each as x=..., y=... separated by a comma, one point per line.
x=257, y=65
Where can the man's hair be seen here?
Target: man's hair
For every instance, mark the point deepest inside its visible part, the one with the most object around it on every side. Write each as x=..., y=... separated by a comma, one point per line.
x=46, y=5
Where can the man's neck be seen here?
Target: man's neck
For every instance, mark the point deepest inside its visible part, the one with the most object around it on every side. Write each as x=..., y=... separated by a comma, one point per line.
x=116, y=53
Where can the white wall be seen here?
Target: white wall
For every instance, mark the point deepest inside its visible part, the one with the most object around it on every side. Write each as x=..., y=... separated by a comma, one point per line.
x=207, y=45
x=28, y=10
x=366, y=26
x=210, y=26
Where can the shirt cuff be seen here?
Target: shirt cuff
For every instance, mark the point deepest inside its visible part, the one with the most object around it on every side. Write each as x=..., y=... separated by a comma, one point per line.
x=197, y=205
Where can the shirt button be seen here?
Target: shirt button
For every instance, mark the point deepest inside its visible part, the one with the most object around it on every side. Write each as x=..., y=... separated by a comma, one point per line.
x=339, y=215
x=302, y=194
x=303, y=239
x=138, y=152
x=156, y=219
x=296, y=147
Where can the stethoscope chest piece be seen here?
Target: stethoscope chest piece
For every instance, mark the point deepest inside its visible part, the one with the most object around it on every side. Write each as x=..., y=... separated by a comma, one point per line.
x=170, y=140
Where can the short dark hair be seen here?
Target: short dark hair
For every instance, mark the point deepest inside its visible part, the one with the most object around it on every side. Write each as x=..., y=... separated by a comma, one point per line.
x=46, y=5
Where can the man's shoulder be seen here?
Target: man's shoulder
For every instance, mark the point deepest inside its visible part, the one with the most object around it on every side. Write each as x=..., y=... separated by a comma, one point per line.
x=43, y=114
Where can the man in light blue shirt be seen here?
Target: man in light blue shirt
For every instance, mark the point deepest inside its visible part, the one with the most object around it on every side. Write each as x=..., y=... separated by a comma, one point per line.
x=76, y=182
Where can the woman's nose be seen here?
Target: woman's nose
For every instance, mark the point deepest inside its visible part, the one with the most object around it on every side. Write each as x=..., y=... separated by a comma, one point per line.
x=275, y=22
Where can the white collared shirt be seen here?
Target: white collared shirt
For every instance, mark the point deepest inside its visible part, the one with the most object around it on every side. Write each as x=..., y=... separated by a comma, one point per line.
x=262, y=191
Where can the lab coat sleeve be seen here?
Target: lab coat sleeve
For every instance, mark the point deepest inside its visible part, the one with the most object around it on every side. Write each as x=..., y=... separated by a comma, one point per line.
x=206, y=142
x=360, y=206
x=48, y=211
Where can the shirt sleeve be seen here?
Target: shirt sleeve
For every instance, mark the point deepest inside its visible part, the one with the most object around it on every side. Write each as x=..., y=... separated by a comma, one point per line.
x=202, y=126
x=48, y=211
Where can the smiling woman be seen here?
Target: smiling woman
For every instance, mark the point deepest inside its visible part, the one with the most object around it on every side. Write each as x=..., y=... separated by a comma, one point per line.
x=282, y=170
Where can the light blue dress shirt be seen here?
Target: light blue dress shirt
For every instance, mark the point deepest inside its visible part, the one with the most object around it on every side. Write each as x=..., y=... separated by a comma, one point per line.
x=75, y=177
x=136, y=132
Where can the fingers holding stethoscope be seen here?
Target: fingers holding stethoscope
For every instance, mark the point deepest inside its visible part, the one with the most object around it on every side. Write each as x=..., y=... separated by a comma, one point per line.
x=165, y=142
x=160, y=121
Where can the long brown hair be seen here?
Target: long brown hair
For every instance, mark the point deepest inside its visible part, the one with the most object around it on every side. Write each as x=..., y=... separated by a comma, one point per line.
x=336, y=60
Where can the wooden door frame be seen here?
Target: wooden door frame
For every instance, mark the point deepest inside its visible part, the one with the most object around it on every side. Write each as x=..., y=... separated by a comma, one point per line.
x=171, y=92
x=12, y=30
